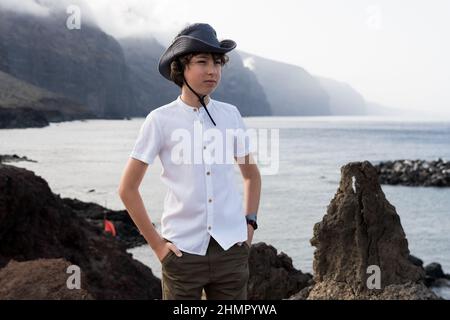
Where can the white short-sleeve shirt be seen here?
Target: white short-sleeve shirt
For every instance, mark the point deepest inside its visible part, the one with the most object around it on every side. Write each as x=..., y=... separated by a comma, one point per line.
x=197, y=157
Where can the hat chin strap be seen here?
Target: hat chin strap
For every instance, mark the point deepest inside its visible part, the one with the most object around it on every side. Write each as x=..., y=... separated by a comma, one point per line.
x=201, y=99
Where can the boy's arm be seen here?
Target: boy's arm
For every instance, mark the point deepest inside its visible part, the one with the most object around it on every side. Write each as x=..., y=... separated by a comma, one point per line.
x=252, y=187
x=131, y=198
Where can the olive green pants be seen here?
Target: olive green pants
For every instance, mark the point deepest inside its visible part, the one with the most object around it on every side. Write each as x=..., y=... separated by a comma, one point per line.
x=222, y=274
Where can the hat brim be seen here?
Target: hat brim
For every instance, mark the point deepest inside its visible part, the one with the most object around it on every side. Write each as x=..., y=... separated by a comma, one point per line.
x=186, y=44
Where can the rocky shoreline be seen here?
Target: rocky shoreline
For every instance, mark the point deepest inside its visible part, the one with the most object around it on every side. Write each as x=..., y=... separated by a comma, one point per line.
x=127, y=233
x=13, y=158
x=41, y=235
x=37, y=225
x=415, y=173
x=26, y=117
x=22, y=118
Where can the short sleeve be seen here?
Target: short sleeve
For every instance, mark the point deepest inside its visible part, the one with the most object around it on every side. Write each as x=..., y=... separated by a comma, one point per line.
x=242, y=138
x=148, y=142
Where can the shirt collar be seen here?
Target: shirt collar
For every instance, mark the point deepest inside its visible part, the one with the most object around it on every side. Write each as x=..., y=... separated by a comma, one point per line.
x=187, y=107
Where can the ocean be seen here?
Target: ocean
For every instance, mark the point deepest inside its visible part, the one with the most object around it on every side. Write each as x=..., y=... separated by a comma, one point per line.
x=85, y=159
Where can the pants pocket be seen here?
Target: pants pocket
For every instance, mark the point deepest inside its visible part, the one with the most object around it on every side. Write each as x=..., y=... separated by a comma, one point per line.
x=167, y=257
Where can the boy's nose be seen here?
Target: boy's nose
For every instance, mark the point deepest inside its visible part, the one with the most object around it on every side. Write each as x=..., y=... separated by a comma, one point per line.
x=212, y=68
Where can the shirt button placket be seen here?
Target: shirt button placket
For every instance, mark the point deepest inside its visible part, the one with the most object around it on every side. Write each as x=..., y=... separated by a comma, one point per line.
x=209, y=194
x=209, y=185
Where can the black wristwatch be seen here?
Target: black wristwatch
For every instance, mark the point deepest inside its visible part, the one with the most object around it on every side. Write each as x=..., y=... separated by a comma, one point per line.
x=251, y=220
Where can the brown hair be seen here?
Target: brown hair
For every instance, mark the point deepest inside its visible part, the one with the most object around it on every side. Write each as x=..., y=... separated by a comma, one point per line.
x=178, y=65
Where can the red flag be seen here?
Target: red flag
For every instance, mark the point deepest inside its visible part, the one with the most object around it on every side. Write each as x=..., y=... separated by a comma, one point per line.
x=109, y=227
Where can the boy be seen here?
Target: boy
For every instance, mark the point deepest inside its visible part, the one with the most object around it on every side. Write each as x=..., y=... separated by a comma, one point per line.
x=205, y=233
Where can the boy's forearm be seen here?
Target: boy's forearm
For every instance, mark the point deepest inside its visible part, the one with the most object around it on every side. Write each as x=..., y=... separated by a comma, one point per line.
x=136, y=209
x=252, y=193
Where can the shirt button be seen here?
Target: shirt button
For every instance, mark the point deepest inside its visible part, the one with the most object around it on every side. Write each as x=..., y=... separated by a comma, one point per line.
x=204, y=147
x=209, y=227
x=208, y=173
x=209, y=200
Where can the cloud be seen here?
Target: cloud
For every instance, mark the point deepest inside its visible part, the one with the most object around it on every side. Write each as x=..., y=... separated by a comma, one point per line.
x=249, y=63
x=137, y=18
x=45, y=8
x=25, y=7
x=160, y=19
x=126, y=18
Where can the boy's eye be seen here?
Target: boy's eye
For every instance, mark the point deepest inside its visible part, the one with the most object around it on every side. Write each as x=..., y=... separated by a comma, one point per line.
x=203, y=61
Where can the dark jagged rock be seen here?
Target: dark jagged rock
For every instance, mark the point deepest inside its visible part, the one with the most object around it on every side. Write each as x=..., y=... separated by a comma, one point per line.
x=416, y=261
x=435, y=276
x=434, y=270
x=126, y=230
x=35, y=224
x=415, y=173
x=39, y=279
x=361, y=228
x=272, y=275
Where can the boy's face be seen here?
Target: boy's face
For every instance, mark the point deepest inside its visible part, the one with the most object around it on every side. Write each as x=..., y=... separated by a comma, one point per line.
x=201, y=70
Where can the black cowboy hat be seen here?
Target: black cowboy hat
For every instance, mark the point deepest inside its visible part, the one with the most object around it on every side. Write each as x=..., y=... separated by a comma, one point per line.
x=197, y=37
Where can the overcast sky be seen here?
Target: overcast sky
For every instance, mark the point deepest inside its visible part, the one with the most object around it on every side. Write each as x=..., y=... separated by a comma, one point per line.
x=393, y=52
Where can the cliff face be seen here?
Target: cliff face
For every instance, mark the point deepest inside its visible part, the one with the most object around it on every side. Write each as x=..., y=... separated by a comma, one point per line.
x=240, y=86
x=343, y=99
x=86, y=65
x=23, y=105
x=114, y=80
x=361, y=230
x=290, y=89
x=149, y=88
